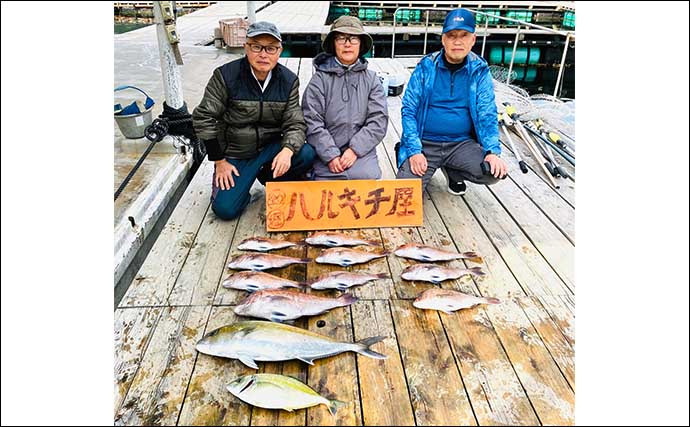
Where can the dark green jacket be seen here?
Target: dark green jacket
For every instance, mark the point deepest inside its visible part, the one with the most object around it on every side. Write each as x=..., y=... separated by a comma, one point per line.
x=235, y=119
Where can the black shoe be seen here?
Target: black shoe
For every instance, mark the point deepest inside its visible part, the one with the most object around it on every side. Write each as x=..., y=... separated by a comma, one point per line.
x=456, y=188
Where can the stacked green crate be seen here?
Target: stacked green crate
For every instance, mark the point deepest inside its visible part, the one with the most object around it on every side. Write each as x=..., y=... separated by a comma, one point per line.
x=408, y=15
x=492, y=17
x=366, y=14
x=521, y=15
x=569, y=20
x=337, y=12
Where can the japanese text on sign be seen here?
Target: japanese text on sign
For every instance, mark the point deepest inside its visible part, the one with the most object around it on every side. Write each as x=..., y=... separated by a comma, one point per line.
x=323, y=205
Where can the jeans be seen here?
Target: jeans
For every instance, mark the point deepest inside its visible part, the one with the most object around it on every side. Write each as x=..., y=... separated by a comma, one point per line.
x=229, y=204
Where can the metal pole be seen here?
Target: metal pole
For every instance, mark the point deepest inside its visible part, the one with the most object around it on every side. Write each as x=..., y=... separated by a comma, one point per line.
x=395, y=15
x=251, y=12
x=172, y=77
x=426, y=30
x=560, y=70
x=486, y=28
x=512, y=57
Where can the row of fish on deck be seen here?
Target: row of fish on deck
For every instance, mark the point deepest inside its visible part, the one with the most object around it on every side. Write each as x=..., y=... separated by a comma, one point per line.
x=274, y=341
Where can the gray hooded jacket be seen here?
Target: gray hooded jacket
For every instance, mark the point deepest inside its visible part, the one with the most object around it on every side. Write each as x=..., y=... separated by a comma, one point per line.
x=345, y=108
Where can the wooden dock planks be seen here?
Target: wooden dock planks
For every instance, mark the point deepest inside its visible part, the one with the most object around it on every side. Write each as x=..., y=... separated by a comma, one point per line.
x=506, y=364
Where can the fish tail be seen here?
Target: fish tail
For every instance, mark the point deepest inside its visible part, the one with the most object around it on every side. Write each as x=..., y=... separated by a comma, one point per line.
x=472, y=256
x=362, y=347
x=385, y=253
x=334, y=405
x=477, y=271
x=304, y=260
x=373, y=242
x=382, y=276
x=491, y=300
x=347, y=299
x=303, y=284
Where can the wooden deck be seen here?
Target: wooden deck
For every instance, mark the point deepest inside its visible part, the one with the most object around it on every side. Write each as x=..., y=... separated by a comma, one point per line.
x=511, y=363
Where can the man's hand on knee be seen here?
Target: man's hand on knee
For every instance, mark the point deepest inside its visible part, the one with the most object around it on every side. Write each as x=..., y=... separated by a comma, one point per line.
x=282, y=162
x=499, y=169
x=224, y=171
x=418, y=164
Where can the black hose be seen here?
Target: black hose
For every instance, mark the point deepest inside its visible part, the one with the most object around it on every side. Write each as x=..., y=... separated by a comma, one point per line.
x=134, y=169
x=171, y=122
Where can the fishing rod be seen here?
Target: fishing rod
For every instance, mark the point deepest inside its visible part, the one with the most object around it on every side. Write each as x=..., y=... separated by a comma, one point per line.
x=558, y=149
x=556, y=168
x=543, y=163
x=504, y=121
x=554, y=137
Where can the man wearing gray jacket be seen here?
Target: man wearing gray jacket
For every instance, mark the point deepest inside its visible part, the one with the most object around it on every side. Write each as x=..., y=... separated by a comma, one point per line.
x=344, y=106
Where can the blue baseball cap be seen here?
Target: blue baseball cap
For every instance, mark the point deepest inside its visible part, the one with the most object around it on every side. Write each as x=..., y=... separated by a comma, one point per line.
x=459, y=19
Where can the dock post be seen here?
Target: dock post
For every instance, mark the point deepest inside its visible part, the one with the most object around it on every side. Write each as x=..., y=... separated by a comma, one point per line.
x=512, y=57
x=172, y=77
x=560, y=70
x=251, y=12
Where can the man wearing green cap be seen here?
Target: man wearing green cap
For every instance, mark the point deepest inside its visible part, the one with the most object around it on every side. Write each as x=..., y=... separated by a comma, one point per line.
x=344, y=106
x=449, y=113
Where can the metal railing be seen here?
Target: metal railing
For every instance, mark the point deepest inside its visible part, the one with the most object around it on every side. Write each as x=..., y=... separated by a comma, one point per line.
x=485, y=32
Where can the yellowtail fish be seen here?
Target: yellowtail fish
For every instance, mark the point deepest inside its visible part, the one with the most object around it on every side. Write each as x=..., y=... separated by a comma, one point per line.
x=428, y=253
x=346, y=257
x=263, y=261
x=343, y=280
x=263, y=341
x=448, y=300
x=273, y=391
x=435, y=273
x=251, y=281
x=283, y=305
x=263, y=244
x=332, y=239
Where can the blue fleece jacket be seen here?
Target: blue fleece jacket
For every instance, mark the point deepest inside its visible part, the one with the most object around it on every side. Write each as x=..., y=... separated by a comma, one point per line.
x=482, y=104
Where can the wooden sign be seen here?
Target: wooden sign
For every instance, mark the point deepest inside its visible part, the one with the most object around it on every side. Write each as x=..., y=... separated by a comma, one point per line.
x=328, y=205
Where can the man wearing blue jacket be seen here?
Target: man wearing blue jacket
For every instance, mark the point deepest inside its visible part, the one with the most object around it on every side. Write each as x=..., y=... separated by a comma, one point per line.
x=449, y=113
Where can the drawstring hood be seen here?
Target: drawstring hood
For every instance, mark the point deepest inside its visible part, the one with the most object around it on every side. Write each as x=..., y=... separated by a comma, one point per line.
x=329, y=64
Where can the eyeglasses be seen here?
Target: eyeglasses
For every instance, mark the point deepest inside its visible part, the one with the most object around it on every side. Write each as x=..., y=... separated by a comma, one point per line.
x=256, y=48
x=354, y=40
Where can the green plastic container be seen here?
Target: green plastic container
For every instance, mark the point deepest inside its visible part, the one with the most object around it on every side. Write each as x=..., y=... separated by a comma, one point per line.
x=408, y=15
x=370, y=14
x=569, y=20
x=337, y=12
x=492, y=21
x=523, y=74
x=523, y=55
x=522, y=15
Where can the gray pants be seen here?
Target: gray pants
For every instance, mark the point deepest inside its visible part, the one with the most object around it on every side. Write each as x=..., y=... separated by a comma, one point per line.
x=366, y=167
x=462, y=161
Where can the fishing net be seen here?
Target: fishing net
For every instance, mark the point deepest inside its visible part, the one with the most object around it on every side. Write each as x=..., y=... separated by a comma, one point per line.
x=556, y=114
